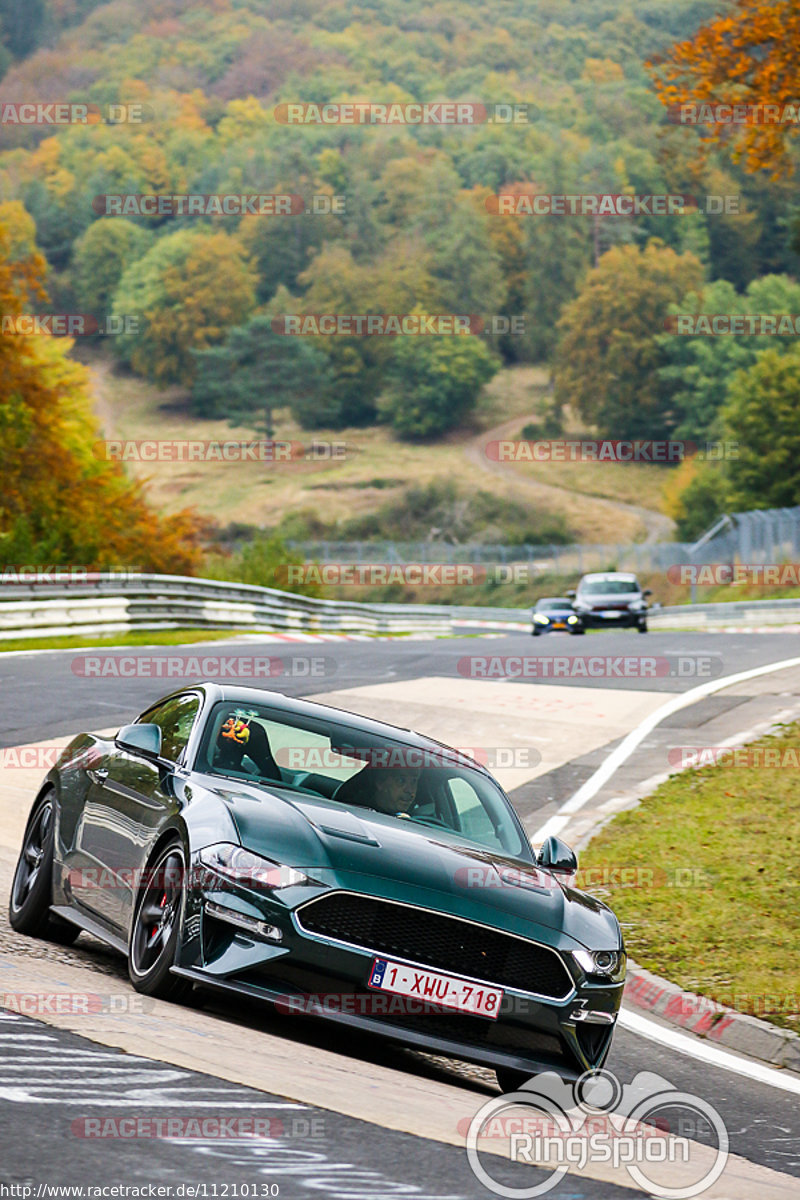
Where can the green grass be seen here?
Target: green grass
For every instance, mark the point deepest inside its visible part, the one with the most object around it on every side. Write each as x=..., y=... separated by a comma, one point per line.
x=146, y=637
x=710, y=897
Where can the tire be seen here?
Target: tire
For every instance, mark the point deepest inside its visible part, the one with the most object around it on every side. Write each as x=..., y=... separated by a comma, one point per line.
x=157, y=925
x=32, y=885
x=642, y=627
x=534, y=633
x=511, y=1080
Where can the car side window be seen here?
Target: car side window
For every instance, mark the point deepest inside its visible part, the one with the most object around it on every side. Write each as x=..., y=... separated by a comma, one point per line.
x=175, y=719
x=473, y=818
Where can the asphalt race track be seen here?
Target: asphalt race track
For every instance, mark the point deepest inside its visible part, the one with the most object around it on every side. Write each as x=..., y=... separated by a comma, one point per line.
x=341, y=1115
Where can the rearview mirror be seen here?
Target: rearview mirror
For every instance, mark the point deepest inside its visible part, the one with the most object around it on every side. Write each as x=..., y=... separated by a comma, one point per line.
x=558, y=857
x=140, y=739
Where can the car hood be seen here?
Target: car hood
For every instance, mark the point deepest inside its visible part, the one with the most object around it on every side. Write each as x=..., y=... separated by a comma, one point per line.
x=383, y=856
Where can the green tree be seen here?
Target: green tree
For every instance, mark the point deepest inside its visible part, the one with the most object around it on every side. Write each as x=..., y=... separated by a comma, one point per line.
x=22, y=25
x=609, y=354
x=256, y=371
x=762, y=414
x=187, y=291
x=434, y=383
x=100, y=258
x=698, y=370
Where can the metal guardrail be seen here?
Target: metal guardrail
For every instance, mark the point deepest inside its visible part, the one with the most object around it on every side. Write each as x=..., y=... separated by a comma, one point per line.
x=152, y=602
x=735, y=612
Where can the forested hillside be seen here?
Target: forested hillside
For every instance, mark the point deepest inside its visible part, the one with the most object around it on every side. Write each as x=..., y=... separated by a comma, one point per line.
x=405, y=220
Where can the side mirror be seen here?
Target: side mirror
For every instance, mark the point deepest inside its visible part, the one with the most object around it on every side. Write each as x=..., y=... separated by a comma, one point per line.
x=571, y=595
x=140, y=739
x=647, y=592
x=558, y=857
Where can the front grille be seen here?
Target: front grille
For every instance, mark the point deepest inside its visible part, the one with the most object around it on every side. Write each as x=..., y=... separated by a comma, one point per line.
x=443, y=943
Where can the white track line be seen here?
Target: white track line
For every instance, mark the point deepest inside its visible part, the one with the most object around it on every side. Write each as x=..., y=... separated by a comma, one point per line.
x=627, y=746
x=713, y=1055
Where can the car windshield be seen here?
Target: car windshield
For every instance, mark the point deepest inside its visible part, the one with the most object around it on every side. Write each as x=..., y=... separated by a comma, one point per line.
x=355, y=768
x=609, y=587
x=553, y=605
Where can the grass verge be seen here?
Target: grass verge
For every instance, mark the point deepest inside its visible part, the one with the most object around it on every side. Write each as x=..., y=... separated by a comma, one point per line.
x=146, y=637
x=703, y=877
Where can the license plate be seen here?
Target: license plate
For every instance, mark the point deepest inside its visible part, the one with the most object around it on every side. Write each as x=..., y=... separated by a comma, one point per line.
x=447, y=990
x=611, y=612
x=559, y=625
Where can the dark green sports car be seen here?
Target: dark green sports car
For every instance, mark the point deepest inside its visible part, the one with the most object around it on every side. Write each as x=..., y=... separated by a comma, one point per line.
x=236, y=838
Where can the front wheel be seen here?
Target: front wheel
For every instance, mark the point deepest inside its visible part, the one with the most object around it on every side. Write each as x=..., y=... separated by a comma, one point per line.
x=511, y=1080
x=156, y=927
x=642, y=627
x=32, y=886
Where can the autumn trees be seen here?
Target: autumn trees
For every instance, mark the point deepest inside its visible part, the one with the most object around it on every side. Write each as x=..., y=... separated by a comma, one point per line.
x=61, y=499
x=608, y=356
x=747, y=55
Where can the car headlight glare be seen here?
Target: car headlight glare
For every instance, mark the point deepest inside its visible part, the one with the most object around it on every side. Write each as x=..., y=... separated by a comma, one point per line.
x=573, y=620
x=610, y=964
x=250, y=870
x=540, y=619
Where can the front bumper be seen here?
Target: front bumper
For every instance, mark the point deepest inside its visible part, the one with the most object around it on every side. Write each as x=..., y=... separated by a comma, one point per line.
x=624, y=619
x=305, y=974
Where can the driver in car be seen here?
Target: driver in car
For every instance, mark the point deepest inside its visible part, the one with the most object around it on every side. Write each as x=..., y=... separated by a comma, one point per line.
x=395, y=790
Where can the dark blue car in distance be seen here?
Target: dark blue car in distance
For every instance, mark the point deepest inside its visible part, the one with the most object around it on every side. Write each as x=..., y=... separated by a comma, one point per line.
x=555, y=613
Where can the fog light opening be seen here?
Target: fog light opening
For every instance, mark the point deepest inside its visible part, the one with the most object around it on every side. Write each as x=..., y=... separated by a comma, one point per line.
x=219, y=912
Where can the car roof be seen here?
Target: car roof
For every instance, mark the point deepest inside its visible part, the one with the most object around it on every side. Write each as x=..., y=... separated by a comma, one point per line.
x=605, y=576
x=224, y=693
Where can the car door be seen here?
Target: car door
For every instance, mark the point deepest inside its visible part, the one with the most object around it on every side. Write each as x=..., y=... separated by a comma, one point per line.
x=128, y=803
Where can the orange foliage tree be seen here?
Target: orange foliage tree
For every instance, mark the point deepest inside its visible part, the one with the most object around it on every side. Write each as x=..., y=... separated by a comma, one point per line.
x=748, y=55
x=60, y=502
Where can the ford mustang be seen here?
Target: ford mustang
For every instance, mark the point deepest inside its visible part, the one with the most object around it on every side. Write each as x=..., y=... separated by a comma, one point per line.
x=328, y=864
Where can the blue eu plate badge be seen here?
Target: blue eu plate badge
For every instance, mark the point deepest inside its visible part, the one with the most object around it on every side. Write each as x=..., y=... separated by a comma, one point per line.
x=378, y=972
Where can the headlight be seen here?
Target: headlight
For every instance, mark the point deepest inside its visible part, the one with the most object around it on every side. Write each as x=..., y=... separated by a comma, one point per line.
x=540, y=619
x=608, y=963
x=573, y=620
x=250, y=870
